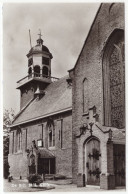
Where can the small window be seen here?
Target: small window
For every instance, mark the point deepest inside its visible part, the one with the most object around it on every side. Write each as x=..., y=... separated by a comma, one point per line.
x=37, y=71
x=45, y=71
x=30, y=61
x=45, y=60
x=30, y=72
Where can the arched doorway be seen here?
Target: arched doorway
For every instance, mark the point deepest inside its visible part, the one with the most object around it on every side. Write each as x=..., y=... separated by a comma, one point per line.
x=92, y=161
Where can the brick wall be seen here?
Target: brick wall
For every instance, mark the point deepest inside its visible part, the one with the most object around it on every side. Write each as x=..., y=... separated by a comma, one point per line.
x=89, y=66
x=63, y=156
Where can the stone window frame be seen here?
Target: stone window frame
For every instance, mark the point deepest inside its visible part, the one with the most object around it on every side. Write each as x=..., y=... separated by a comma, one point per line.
x=111, y=42
x=51, y=133
x=18, y=140
x=85, y=89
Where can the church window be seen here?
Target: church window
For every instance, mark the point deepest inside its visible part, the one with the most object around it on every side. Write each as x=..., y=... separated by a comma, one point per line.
x=45, y=71
x=114, y=81
x=37, y=71
x=30, y=61
x=85, y=96
x=51, y=133
x=45, y=60
x=19, y=139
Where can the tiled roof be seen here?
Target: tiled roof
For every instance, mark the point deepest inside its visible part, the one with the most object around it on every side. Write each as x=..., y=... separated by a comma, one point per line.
x=117, y=134
x=58, y=97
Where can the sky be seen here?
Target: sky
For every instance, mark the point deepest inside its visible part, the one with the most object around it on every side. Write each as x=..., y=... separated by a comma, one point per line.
x=64, y=29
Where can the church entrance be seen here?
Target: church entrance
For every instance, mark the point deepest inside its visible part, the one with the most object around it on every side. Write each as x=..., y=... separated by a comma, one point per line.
x=93, y=162
x=46, y=166
x=119, y=164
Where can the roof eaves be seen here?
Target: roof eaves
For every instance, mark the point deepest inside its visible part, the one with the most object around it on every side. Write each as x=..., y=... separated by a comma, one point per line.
x=41, y=117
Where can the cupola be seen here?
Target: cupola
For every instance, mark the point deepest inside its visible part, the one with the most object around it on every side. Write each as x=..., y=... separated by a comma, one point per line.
x=38, y=75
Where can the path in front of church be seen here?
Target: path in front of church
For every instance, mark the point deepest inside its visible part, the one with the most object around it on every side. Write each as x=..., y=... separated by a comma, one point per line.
x=58, y=186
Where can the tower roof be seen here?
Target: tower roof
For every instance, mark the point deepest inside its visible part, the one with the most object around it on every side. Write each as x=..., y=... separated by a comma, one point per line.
x=39, y=48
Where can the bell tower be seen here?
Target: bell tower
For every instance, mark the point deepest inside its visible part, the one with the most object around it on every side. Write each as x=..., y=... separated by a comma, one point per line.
x=39, y=73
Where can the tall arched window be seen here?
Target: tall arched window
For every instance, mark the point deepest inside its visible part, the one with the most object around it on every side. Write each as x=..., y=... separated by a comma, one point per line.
x=19, y=139
x=51, y=133
x=114, y=80
x=37, y=71
x=45, y=71
x=85, y=96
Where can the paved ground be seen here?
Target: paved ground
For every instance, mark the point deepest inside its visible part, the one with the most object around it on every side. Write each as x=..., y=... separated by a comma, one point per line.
x=58, y=186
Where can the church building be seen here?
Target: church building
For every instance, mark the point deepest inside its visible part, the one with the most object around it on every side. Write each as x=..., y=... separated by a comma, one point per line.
x=98, y=107
x=41, y=133
x=75, y=126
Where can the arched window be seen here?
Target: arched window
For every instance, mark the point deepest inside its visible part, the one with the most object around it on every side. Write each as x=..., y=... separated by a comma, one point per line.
x=85, y=96
x=45, y=71
x=37, y=71
x=51, y=133
x=114, y=80
x=19, y=140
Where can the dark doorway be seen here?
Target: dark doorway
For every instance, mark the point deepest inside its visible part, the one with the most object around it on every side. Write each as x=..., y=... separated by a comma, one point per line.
x=46, y=166
x=119, y=164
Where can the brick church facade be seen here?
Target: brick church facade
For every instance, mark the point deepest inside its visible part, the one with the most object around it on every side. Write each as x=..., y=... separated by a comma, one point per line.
x=75, y=126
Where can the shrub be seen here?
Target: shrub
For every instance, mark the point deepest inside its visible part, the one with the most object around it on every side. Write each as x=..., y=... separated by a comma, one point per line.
x=35, y=178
